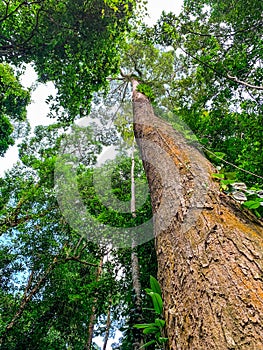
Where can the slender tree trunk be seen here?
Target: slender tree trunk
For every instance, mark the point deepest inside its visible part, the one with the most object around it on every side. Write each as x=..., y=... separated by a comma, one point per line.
x=138, y=341
x=108, y=324
x=209, y=250
x=93, y=315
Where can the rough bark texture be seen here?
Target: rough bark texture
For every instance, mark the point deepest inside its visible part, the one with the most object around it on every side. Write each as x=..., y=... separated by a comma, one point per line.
x=209, y=250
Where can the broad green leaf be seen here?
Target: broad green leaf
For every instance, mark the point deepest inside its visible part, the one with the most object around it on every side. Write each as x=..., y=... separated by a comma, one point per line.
x=148, y=290
x=151, y=330
x=253, y=204
x=157, y=302
x=155, y=286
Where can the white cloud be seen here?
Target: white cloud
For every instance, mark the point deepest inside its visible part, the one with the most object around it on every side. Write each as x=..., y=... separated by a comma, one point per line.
x=37, y=111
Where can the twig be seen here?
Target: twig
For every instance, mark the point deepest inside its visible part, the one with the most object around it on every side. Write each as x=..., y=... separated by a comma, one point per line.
x=77, y=258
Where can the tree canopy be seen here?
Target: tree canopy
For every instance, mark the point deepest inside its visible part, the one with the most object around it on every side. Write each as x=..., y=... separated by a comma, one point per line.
x=14, y=100
x=217, y=88
x=74, y=44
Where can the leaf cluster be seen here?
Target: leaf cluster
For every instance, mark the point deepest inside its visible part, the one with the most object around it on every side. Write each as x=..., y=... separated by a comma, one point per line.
x=13, y=102
x=155, y=329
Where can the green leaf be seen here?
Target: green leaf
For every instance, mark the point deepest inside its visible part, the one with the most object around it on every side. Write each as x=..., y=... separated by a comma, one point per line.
x=159, y=322
x=218, y=176
x=148, y=344
x=148, y=290
x=157, y=302
x=155, y=286
x=253, y=204
x=151, y=330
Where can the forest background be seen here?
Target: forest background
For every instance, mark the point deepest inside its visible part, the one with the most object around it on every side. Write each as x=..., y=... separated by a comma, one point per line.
x=64, y=282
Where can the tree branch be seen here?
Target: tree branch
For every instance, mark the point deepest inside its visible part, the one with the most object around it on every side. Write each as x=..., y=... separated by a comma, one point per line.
x=13, y=221
x=226, y=76
x=17, y=8
x=236, y=80
x=77, y=258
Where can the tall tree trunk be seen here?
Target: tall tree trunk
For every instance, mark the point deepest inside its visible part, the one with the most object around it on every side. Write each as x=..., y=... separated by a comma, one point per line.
x=209, y=250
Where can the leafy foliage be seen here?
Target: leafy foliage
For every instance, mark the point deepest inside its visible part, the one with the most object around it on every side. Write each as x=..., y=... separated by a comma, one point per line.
x=155, y=328
x=43, y=258
x=74, y=44
x=147, y=91
x=216, y=87
x=208, y=73
x=13, y=103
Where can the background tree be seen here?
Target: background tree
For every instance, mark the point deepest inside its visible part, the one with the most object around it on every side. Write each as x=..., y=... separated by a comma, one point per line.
x=13, y=103
x=216, y=88
x=75, y=45
x=38, y=248
x=49, y=272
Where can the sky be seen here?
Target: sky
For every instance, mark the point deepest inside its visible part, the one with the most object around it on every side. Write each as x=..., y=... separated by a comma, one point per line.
x=155, y=8
x=37, y=111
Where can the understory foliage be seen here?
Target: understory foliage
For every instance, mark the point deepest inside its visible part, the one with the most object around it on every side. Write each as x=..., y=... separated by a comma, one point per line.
x=53, y=281
x=202, y=70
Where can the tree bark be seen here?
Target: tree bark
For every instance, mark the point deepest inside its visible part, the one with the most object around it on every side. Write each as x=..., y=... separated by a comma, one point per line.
x=209, y=249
